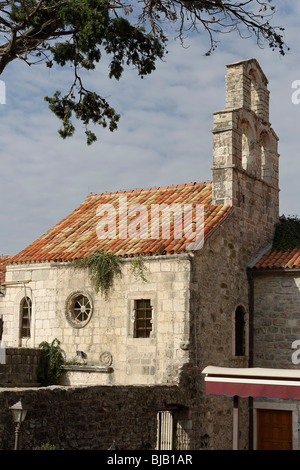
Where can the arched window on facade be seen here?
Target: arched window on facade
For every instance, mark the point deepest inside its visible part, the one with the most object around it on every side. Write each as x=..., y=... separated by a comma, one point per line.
x=251, y=158
x=26, y=308
x=254, y=92
x=264, y=143
x=247, y=146
x=240, y=331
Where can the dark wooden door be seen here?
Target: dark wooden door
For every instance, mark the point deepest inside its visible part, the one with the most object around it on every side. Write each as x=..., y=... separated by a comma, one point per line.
x=274, y=430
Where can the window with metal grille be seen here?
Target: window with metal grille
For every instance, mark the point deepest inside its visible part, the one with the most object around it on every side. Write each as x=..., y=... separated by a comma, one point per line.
x=143, y=318
x=26, y=306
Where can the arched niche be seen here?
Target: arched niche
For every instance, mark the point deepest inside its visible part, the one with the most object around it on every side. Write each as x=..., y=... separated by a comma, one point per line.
x=254, y=92
x=265, y=152
x=248, y=146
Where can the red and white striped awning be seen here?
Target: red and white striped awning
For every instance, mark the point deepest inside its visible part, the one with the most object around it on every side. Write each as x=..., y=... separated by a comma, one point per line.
x=253, y=382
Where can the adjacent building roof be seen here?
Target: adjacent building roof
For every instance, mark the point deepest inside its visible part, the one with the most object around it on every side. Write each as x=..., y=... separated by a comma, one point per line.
x=4, y=260
x=273, y=259
x=76, y=235
x=283, y=253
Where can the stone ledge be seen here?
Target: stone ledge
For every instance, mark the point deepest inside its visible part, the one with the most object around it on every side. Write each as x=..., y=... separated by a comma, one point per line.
x=87, y=368
x=20, y=385
x=78, y=375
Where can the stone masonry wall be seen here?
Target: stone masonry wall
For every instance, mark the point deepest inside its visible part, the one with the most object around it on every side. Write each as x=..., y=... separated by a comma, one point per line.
x=218, y=286
x=87, y=418
x=21, y=365
x=277, y=334
x=276, y=320
x=219, y=277
x=109, y=333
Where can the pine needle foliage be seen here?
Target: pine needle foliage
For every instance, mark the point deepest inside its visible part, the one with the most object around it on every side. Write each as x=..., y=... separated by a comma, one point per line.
x=78, y=34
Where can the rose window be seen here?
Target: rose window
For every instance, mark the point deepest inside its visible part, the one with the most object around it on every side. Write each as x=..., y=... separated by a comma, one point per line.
x=79, y=309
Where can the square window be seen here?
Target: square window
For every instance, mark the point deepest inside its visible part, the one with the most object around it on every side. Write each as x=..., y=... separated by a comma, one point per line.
x=142, y=318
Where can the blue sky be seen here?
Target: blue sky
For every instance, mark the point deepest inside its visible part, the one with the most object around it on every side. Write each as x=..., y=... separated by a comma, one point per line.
x=164, y=135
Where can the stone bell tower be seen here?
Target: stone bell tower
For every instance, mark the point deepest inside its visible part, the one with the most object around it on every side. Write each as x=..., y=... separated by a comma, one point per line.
x=245, y=157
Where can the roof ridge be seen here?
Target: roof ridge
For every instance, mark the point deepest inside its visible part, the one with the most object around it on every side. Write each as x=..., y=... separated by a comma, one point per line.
x=130, y=191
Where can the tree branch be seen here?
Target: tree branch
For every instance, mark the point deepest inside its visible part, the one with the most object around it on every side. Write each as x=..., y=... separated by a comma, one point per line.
x=77, y=32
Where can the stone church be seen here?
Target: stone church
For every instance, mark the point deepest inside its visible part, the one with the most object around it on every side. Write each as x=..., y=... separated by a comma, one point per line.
x=211, y=291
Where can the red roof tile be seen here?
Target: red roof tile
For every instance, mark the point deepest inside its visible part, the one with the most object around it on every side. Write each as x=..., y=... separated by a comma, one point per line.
x=279, y=260
x=4, y=260
x=76, y=237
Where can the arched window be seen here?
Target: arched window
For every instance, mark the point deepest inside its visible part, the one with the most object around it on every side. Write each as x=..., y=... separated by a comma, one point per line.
x=240, y=331
x=254, y=92
x=264, y=143
x=26, y=307
x=247, y=146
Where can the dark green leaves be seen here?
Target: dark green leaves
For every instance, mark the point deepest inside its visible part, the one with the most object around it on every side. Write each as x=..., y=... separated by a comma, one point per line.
x=77, y=33
x=287, y=234
x=88, y=107
x=131, y=46
x=51, y=362
x=92, y=32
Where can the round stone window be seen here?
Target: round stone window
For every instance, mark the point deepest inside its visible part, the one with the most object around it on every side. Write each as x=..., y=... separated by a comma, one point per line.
x=79, y=309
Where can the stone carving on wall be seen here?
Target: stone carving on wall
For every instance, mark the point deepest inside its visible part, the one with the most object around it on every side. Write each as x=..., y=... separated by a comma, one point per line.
x=106, y=358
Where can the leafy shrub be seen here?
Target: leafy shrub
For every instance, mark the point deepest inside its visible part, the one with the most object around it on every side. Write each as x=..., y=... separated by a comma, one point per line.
x=287, y=234
x=51, y=362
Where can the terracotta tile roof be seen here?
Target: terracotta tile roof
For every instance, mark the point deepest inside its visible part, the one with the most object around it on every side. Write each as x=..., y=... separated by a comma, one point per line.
x=279, y=260
x=4, y=260
x=75, y=236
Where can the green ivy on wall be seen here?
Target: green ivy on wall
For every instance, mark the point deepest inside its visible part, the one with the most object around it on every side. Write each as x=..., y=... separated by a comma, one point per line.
x=103, y=267
x=138, y=268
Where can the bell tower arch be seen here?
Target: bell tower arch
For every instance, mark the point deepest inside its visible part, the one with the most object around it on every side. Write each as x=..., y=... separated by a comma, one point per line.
x=245, y=154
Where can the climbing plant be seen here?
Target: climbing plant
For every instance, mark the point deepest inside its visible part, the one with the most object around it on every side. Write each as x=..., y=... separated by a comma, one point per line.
x=138, y=268
x=103, y=267
x=287, y=234
x=51, y=362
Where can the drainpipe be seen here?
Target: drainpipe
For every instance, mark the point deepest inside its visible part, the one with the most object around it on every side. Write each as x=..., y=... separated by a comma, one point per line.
x=251, y=326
